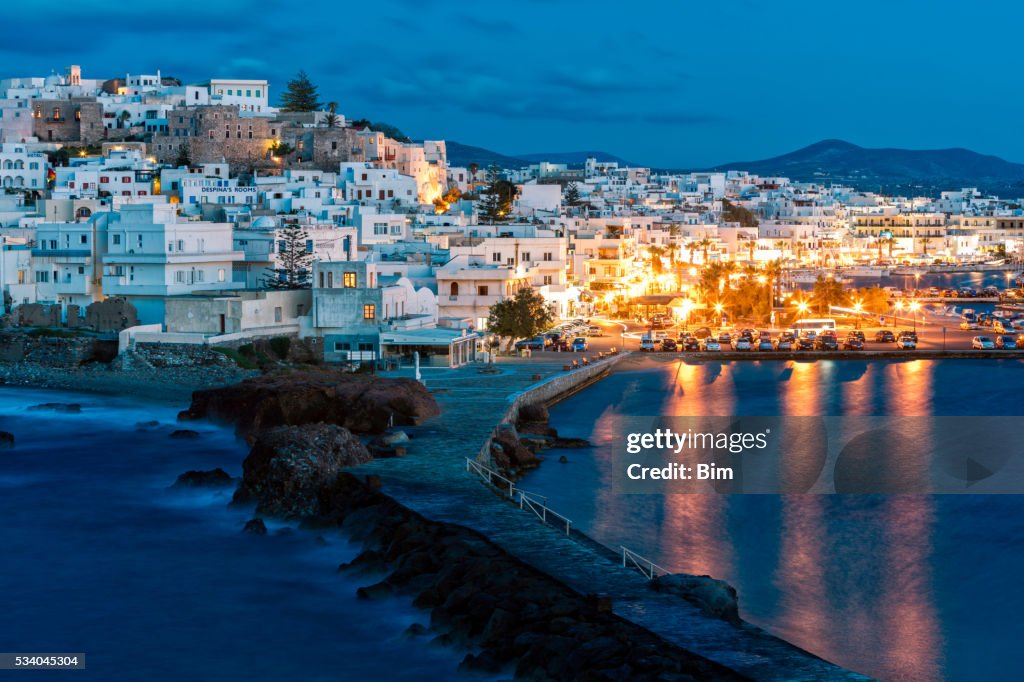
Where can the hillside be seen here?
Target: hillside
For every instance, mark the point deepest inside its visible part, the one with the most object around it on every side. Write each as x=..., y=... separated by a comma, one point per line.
x=840, y=161
x=463, y=154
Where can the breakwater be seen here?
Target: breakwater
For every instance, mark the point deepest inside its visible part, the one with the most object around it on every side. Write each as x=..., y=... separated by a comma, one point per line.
x=432, y=480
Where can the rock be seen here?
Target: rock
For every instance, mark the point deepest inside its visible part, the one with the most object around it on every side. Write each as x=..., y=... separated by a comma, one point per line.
x=288, y=466
x=255, y=526
x=66, y=408
x=394, y=438
x=715, y=597
x=215, y=478
x=512, y=453
x=563, y=460
x=535, y=412
x=416, y=630
x=6, y=440
x=182, y=434
x=358, y=402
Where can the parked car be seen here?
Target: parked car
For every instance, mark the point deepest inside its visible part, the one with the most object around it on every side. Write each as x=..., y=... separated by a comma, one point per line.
x=1006, y=342
x=885, y=336
x=765, y=345
x=804, y=343
x=968, y=325
x=690, y=344
x=647, y=344
x=907, y=341
x=857, y=334
x=1001, y=326
x=712, y=344
x=853, y=343
x=826, y=342
x=784, y=343
x=982, y=343
x=579, y=344
x=594, y=330
x=669, y=345
x=742, y=343
x=536, y=343
x=725, y=339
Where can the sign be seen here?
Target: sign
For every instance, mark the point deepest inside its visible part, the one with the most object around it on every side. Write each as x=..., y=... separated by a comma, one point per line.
x=885, y=234
x=229, y=190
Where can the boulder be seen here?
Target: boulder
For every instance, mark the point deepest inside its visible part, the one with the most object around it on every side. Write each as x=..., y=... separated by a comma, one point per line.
x=215, y=478
x=183, y=434
x=6, y=440
x=358, y=402
x=394, y=438
x=715, y=597
x=66, y=408
x=255, y=526
x=513, y=454
x=288, y=466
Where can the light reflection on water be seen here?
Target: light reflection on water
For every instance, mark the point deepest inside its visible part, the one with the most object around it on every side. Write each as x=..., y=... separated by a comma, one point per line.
x=898, y=587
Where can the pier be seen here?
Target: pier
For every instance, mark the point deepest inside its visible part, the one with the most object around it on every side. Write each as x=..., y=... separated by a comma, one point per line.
x=442, y=478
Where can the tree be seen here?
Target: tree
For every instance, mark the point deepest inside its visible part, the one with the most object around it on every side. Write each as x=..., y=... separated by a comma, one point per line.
x=184, y=155
x=331, y=120
x=572, y=194
x=444, y=202
x=872, y=299
x=300, y=94
x=828, y=292
x=924, y=246
x=524, y=315
x=731, y=213
x=279, y=148
x=705, y=244
x=294, y=261
x=496, y=199
x=657, y=266
x=380, y=127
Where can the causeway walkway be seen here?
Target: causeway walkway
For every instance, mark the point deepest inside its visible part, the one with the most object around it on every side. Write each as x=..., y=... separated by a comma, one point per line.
x=432, y=479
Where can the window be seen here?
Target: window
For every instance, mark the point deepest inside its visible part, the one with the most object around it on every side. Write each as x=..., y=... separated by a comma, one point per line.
x=117, y=239
x=455, y=289
x=257, y=93
x=248, y=93
x=369, y=311
x=349, y=280
x=277, y=314
x=547, y=255
x=309, y=246
x=526, y=255
x=341, y=346
x=396, y=229
x=547, y=279
x=481, y=290
x=380, y=228
x=330, y=280
x=496, y=257
x=42, y=276
x=220, y=275
x=82, y=239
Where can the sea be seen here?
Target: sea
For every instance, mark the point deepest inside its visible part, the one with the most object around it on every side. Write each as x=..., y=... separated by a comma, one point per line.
x=102, y=557
x=898, y=587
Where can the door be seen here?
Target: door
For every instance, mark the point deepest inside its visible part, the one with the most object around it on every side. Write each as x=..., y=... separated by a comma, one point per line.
x=222, y=323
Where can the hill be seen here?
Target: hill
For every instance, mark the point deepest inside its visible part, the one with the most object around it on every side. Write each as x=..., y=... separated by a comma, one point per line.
x=840, y=161
x=463, y=154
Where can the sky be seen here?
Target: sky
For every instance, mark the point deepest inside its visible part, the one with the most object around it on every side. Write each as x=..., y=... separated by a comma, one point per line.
x=671, y=84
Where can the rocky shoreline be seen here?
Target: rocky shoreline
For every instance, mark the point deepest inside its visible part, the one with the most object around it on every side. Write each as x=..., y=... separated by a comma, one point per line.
x=513, y=618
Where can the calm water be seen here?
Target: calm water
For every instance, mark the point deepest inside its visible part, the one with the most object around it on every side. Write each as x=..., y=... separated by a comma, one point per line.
x=898, y=587
x=152, y=584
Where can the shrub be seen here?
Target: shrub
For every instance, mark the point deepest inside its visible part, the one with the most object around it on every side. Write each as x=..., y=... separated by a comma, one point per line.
x=240, y=360
x=281, y=345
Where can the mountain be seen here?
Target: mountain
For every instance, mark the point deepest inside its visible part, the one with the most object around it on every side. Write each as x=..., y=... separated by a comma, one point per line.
x=574, y=158
x=463, y=154
x=839, y=161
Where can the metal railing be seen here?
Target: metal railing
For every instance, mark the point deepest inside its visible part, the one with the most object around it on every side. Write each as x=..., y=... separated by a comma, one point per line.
x=631, y=559
x=527, y=501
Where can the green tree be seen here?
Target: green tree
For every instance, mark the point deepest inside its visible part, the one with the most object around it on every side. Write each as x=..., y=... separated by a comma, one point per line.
x=380, y=127
x=496, y=199
x=294, y=261
x=184, y=155
x=733, y=213
x=524, y=315
x=657, y=266
x=300, y=94
x=828, y=292
x=572, y=194
x=872, y=299
x=281, y=149
x=331, y=119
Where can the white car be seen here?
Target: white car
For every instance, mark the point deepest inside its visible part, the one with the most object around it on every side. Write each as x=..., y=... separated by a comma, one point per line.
x=906, y=343
x=982, y=343
x=741, y=344
x=712, y=344
x=647, y=345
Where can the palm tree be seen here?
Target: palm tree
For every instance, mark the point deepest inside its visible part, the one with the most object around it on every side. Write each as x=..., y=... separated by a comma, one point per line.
x=924, y=246
x=750, y=247
x=706, y=244
x=773, y=271
x=693, y=248
x=331, y=120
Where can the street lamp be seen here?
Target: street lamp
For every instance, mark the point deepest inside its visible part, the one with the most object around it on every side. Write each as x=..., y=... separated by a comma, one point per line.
x=917, y=283
x=896, y=317
x=858, y=307
x=687, y=307
x=914, y=306
x=718, y=309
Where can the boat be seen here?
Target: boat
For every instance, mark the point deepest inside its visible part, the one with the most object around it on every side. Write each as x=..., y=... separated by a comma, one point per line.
x=866, y=271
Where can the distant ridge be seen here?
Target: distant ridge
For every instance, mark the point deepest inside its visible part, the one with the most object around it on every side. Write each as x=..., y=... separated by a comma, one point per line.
x=463, y=154
x=841, y=161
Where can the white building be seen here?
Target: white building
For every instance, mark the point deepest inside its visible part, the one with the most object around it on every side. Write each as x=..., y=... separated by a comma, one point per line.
x=251, y=96
x=22, y=169
x=151, y=253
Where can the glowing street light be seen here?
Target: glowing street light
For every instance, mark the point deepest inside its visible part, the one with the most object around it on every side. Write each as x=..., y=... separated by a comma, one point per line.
x=858, y=308
x=719, y=308
x=914, y=307
x=899, y=309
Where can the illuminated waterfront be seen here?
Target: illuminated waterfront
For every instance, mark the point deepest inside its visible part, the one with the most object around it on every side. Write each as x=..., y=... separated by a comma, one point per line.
x=908, y=587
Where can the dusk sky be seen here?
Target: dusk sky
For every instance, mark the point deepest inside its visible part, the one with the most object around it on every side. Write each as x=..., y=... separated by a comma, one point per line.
x=668, y=84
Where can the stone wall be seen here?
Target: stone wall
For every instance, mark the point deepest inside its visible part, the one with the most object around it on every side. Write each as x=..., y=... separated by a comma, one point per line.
x=22, y=347
x=165, y=355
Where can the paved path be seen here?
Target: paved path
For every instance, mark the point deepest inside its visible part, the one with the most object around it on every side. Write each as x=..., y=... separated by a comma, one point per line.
x=432, y=479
